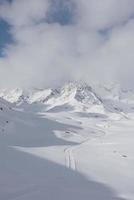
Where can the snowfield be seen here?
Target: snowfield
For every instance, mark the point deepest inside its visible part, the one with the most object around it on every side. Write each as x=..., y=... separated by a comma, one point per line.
x=69, y=143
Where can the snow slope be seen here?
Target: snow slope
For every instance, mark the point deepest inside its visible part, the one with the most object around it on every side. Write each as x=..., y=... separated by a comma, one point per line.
x=73, y=142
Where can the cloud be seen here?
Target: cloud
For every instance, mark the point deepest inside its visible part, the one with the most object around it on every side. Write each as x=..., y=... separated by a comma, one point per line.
x=92, y=42
x=104, y=14
x=22, y=13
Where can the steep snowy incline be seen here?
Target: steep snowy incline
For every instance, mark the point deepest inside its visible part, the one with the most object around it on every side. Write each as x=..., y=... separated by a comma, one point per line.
x=5, y=115
x=34, y=163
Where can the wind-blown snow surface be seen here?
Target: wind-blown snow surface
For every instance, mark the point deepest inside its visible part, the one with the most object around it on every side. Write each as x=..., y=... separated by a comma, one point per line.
x=74, y=142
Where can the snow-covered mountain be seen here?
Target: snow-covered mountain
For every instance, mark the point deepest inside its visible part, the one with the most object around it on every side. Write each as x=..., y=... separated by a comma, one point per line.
x=71, y=142
x=80, y=92
x=75, y=96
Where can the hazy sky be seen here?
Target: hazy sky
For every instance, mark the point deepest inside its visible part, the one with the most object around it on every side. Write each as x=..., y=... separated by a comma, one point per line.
x=47, y=42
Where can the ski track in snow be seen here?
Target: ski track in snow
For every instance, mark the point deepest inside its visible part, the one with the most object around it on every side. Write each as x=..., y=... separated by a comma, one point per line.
x=70, y=159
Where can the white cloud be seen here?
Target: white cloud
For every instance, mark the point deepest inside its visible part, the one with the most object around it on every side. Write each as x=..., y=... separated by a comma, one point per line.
x=104, y=14
x=21, y=13
x=46, y=54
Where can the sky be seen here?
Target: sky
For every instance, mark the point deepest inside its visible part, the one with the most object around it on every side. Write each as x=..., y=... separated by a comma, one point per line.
x=44, y=43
